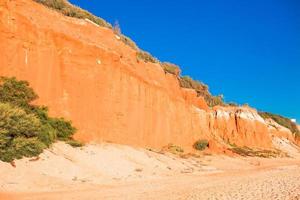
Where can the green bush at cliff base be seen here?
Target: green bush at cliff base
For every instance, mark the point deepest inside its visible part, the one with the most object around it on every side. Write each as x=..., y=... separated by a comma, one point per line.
x=201, y=145
x=74, y=143
x=18, y=133
x=25, y=129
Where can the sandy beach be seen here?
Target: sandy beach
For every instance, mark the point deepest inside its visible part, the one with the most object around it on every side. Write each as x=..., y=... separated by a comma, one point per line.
x=110, y=171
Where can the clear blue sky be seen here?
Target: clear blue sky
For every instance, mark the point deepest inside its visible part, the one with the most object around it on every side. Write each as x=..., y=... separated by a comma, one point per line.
x=247, y=50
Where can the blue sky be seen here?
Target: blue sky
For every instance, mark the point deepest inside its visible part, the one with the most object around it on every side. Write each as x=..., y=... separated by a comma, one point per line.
x=249, y=51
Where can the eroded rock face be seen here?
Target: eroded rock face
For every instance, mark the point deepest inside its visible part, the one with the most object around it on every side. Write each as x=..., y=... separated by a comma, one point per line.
x=241, y=127
x=86, y=74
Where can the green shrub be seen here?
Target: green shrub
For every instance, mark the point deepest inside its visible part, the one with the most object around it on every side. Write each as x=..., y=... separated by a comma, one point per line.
x=170, y=68
x=21, y=147
x=214, y=100
x=16, y=92
x=63, y=128
x=18, y=133
x=47, y=134
x=146, y=57
x=202, y=90
x=74, y=143
x=201, y=145
x=25, y=129
x=283, y=121
x=64, y=7
x=41, y=112
x=15, y=122
x=27, y=147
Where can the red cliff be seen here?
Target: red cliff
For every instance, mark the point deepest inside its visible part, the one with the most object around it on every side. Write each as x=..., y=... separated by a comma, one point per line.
x=86, y=74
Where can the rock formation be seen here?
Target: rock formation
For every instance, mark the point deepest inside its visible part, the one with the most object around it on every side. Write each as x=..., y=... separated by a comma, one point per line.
x=88, y=75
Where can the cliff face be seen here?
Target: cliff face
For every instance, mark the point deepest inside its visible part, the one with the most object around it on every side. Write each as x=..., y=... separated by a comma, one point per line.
x=86, y=74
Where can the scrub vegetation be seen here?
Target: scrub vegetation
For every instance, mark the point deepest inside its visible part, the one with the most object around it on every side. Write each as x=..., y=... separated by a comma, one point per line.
x=201, y=145
x=202, y=90
x=64, y=7
x=27, y=129
x=283, y=121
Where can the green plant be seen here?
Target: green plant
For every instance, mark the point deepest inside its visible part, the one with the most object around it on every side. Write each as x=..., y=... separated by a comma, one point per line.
x=283, y=121
x=27, y=147
x=214, y=100
x=188, y=82
x=201, y=145
x=15, y=122
x=47, y=134
x=18, y=133
x=202, y=90
x=16, y=92
x=64, y=128
x=26, y=129
x=145, y=56
x=170, y=68
x=74, y=143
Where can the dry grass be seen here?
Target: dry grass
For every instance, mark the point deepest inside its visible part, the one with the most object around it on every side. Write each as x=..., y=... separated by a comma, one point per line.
x=146, y=57
x=174, y=149
x=64, y=7
x=283, y=121
x=202, y=90
x=170, y=68
x=246, y=151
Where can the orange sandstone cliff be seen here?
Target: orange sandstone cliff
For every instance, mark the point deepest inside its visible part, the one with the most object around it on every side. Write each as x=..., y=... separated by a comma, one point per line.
x=86, y=74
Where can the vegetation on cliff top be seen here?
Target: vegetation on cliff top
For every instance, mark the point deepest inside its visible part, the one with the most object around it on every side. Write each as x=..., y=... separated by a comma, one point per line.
x=64, y=7
x=202, y=90
x=283, y=121
x=171, y=68
x=26, y=129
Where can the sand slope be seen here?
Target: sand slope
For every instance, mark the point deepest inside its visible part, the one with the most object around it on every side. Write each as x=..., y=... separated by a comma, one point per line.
x=110, y=171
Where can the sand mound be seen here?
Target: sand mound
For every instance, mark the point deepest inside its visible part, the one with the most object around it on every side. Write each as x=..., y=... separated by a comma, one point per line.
x=65, y=166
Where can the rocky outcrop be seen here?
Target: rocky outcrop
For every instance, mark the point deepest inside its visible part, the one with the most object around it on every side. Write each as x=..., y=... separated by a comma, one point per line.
x=86, y=74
